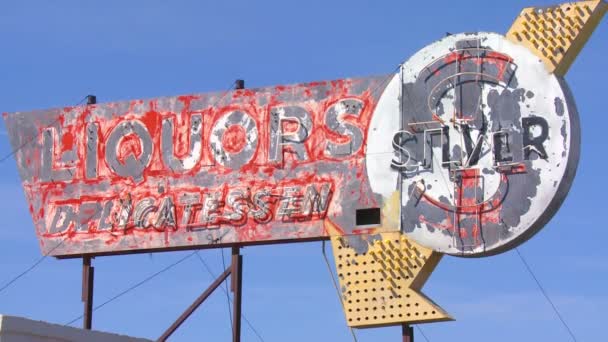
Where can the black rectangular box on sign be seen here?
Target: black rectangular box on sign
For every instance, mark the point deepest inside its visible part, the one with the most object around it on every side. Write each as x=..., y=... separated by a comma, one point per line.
x=366, y=217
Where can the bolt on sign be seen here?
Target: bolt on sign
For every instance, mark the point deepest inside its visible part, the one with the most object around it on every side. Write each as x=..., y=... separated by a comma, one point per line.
x=468, y=150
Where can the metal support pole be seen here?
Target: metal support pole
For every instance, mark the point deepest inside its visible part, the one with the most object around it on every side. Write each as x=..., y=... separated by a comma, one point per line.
x=88, y=271
x=88, y=275
x=195, y=305
x=236, y=281
x=91, y=99
x=407, y=332
x=239, y=84
x=237, y=288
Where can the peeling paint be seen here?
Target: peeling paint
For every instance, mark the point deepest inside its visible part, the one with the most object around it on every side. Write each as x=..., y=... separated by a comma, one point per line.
x=493, y=133
x=480, y=142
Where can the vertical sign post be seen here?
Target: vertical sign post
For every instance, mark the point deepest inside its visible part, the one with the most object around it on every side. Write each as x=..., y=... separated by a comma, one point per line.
x=88, y=275
x=407, y=332
x=237, y=273
x=237, y=289
x=88, y=271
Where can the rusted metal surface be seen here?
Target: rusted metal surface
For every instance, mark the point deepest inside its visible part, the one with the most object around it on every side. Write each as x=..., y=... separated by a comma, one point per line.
x=469, y=149
x=487, y=148
x=245, y=166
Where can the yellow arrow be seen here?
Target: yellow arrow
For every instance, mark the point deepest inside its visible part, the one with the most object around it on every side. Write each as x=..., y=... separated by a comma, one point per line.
x=556, y=34
x=380, y=278
x=381, y=273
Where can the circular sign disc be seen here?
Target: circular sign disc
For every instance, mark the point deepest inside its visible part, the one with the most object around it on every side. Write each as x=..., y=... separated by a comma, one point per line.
x=481, y=141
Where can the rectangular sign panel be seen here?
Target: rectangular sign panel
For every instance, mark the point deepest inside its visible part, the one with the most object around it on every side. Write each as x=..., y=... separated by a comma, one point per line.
x=239, y=167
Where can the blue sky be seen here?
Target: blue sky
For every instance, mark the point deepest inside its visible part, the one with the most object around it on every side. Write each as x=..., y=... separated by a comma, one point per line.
x=55, y=53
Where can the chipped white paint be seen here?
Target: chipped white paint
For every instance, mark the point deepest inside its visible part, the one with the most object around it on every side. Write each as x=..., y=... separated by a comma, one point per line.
x=543, y=91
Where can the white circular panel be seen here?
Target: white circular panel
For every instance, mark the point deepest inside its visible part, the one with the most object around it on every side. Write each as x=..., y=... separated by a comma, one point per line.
x=481, y=141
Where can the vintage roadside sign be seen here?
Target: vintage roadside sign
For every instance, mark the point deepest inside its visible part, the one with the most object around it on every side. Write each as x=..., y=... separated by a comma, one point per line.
x=487, y=146
x=246, y=166
x=468, y=150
